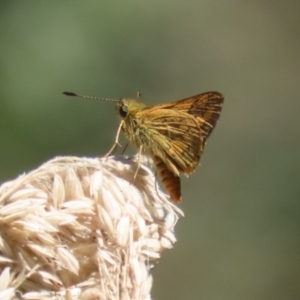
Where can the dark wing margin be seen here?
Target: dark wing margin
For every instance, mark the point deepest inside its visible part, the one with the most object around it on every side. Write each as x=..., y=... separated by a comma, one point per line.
x=207, y=108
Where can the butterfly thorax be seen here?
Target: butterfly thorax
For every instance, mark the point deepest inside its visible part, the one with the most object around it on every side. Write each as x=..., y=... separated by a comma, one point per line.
x=128, y=110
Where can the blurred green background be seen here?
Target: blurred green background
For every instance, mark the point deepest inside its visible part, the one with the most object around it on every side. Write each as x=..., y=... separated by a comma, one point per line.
x=240, y=235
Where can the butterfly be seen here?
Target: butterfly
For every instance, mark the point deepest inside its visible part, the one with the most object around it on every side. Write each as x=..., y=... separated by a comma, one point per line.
x=172, y=134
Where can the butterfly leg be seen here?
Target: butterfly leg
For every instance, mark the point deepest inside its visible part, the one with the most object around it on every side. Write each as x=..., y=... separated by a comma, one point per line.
x=138, y=163
x=124, y=149
x=116, y=143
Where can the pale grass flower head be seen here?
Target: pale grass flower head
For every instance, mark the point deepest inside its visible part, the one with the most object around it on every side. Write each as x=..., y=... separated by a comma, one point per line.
x=81, y=228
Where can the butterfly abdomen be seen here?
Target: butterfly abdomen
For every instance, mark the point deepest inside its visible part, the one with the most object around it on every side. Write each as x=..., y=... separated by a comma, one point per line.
x=170, y=181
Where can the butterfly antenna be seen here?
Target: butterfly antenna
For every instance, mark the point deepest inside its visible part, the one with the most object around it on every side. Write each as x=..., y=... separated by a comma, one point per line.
x=89, y=97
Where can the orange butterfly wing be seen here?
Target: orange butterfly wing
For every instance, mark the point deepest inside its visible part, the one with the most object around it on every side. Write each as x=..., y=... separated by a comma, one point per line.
x=177, y=131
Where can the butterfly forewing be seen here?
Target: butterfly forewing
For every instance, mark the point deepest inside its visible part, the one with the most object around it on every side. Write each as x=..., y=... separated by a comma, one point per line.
x=205, y=107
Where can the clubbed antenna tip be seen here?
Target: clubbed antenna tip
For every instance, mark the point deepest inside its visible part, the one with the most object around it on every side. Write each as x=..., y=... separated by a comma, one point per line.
x=70, y=94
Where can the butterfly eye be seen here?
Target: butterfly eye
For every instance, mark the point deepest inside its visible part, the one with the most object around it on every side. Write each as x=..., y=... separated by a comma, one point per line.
x=123, y=110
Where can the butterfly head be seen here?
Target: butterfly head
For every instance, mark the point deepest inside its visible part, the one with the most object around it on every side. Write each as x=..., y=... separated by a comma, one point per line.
x=126, y=106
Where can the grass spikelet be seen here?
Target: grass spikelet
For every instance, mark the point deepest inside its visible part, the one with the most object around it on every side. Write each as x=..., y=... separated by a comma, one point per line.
x=78, y=228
